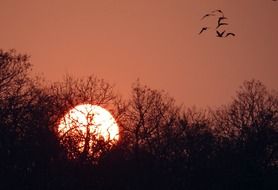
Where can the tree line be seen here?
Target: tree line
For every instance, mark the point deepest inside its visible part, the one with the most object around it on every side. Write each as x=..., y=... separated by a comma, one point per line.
x=162, y=145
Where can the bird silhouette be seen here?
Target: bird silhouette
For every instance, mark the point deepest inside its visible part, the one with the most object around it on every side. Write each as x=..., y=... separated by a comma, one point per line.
x=220, y=34
x=221, y=24
x=230, y=34
x=207, y=15
x=221, y=18
x=203, y=29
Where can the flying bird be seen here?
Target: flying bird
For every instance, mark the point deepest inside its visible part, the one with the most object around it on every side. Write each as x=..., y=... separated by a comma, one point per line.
x=230, y=34
x=221, y=24
x=203, y=29
x=220, y=34
x=221, y=18
x=207, y=15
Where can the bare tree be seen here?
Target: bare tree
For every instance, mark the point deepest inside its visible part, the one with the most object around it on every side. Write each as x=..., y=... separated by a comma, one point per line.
x=14, y=69
x=25, y=140
x=72, y=92
x=152, y=117
x=251, y=121
x=253, y=108
x=14, y=90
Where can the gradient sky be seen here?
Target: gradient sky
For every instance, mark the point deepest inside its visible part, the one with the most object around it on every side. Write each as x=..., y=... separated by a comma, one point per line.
x=154, y=40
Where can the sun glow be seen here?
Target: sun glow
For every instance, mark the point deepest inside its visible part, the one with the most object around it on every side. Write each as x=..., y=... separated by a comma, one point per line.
x=87, y=124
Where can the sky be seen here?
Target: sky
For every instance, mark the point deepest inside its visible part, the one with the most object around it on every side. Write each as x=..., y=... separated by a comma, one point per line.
x=156, y=41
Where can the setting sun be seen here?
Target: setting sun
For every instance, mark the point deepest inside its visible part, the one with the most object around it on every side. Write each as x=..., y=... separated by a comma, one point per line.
x=87, y=124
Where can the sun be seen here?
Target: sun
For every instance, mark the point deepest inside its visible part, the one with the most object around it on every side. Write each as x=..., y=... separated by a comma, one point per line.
x=83, y=126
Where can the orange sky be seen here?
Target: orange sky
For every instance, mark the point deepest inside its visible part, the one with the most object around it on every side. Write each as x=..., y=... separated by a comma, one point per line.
x=156, y=41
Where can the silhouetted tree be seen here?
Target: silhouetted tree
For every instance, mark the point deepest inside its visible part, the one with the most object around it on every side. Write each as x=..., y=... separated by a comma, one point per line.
x=14, y=69
x=26, y=143
x=152, y=116
x=72, y=92
x=13, y=78
x=247, y=132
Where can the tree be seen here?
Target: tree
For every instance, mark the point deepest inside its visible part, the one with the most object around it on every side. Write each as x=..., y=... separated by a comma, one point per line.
x=14, y=69
x=24, y=132
x=72, y=92
x=151, y=121
x=247, y=130
x=13, y=94
x=253, y=109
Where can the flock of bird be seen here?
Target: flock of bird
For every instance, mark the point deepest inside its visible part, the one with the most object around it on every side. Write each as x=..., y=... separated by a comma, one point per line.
x=220, y=24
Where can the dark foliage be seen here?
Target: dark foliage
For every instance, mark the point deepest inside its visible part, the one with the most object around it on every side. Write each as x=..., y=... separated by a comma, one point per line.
x=162, y=146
